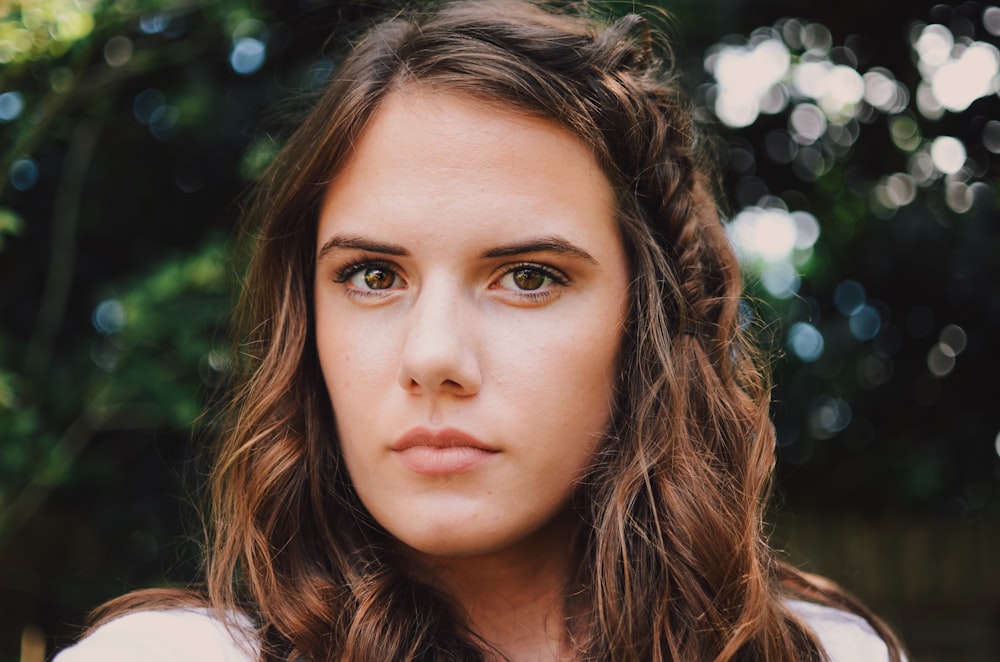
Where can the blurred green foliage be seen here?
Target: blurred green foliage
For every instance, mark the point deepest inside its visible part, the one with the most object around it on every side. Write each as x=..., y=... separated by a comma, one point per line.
x=130, y=128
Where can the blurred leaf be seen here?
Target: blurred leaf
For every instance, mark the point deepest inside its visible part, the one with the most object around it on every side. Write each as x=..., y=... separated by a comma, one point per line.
x=11, y=223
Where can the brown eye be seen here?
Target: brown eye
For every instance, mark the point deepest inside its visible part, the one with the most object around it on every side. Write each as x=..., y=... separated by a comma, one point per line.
x=370, y=277
x=528, y=278
x=378, y=279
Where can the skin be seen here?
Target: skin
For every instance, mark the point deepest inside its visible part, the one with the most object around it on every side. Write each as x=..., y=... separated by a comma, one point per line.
x=471, y=277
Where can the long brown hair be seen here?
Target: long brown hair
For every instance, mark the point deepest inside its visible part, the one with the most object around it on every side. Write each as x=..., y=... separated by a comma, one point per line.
x=674, y=564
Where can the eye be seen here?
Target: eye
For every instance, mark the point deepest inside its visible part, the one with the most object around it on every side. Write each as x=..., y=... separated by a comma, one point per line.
x=530, y=278
x=368, y=277
x=374, y=278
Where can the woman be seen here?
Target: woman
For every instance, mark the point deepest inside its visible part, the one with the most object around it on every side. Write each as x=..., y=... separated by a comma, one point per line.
x=496, y=401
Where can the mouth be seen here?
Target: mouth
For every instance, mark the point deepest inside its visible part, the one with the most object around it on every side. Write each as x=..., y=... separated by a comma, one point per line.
x=441, y=452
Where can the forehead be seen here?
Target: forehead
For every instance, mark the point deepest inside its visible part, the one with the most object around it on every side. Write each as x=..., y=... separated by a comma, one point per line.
x=446, y=159
x=443, y=120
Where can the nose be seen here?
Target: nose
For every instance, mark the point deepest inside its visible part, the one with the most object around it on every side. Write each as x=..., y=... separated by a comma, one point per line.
x=439, y=355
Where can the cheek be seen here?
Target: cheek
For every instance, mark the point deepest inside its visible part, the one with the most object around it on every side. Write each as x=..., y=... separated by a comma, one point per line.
x=356, y=378
x=356, y=368
x=568, y=380
x=590, y=348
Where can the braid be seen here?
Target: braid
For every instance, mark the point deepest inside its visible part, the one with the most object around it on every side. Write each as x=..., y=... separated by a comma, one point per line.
x=681, y=486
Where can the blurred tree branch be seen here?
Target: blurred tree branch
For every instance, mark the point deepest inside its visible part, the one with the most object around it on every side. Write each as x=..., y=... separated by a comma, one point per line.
x=63, y=255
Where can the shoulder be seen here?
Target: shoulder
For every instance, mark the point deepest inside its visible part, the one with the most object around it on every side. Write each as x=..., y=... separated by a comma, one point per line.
x=171, y=635
x=845, y=637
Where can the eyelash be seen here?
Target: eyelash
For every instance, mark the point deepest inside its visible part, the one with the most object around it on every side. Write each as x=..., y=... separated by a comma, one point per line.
x=344, y=273
x=349, y=270
x=557, y=277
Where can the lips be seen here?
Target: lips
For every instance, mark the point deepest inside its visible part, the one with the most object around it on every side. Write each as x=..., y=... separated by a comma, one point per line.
x=441, y=452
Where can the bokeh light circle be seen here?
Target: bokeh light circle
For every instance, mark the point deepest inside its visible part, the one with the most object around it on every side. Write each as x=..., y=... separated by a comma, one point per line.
x=940, y=360
x=991, y=20
x=247, y=56
x=865, y=323
x=991, y=136
x=23, y=174
x=954, y=337
x=848, y=297
x=11, y=105
x=948, y=154
x=805, y=341
x=109, y=316
x=828, y=417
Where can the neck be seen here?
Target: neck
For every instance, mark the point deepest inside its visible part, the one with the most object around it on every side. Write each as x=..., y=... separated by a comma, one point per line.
x=515, y=599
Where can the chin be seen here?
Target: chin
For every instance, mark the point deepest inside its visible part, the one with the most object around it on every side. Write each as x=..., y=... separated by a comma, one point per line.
x=455, y=538
x=454, y=544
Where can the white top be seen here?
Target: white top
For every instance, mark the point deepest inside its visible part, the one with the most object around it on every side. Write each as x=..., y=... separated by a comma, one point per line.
x=196, y=635
x=172, y=635
x=845, y=637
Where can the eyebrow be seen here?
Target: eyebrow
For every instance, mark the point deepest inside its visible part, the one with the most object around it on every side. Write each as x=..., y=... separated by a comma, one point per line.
x=360, y=243
x=548, y=244
x=540, y=245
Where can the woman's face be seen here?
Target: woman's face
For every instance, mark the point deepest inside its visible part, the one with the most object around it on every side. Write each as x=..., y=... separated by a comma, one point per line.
x=471, y=288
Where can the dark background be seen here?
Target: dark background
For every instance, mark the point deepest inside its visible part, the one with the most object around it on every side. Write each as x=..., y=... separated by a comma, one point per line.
x=128, y=133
